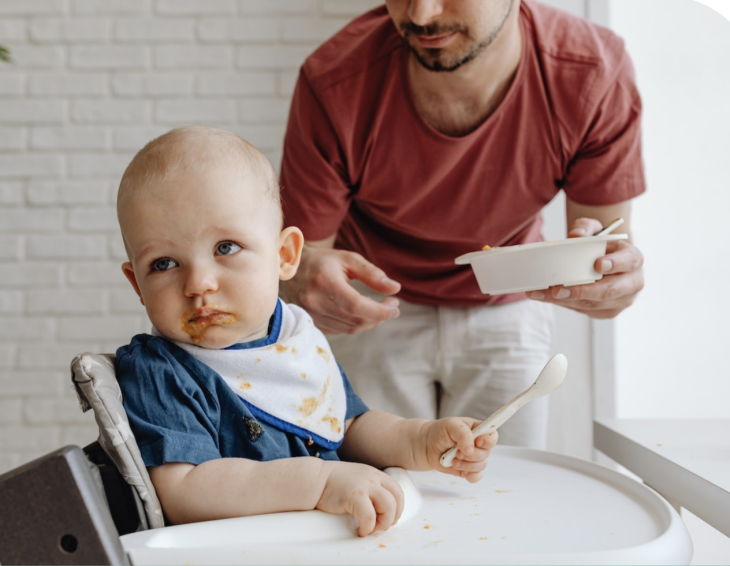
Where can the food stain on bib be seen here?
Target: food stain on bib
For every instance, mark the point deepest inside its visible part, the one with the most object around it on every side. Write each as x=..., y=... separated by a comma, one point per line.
x=310, y=404
x=322, y=352
x=334, y=423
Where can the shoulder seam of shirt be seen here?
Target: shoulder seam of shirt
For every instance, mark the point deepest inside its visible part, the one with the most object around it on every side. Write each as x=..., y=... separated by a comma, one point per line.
x=380, y=34
x=590, y=98
x=604, y=37
x=323, y=85
x=574, y=58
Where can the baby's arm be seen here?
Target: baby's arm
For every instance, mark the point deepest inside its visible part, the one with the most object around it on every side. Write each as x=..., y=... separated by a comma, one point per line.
x=382, y=440
x=234, y=487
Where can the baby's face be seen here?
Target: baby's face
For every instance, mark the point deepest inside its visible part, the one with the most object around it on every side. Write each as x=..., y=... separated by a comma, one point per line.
x=204, y=257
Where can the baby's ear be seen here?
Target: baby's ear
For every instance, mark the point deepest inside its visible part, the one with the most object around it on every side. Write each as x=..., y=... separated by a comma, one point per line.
x=291, y=242
x=128, y=271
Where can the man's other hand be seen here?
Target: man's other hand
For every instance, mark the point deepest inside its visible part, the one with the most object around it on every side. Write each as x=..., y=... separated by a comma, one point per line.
x=322, y=287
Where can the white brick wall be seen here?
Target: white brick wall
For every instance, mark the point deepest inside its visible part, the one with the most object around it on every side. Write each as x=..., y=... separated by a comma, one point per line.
x=92, y=81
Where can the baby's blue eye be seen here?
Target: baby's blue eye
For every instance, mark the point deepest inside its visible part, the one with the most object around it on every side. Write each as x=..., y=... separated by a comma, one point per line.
x=227, y=248
x=163, y=264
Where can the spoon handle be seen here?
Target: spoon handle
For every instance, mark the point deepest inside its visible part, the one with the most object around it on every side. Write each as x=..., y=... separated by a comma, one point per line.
x=610, y=227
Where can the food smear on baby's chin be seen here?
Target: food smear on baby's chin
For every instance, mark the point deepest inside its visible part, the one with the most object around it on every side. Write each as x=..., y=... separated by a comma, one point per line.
x=196, y=321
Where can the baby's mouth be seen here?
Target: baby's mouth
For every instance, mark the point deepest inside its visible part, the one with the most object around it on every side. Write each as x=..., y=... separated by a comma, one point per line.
x=196, y=321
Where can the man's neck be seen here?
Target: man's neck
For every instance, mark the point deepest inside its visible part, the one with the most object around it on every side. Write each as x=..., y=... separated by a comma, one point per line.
x=457, y=102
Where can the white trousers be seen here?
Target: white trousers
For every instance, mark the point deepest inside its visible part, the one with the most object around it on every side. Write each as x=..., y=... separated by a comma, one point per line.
x=434, y=362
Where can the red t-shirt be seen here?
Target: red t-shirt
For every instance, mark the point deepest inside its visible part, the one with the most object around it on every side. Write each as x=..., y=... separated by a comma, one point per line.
x=361, y=162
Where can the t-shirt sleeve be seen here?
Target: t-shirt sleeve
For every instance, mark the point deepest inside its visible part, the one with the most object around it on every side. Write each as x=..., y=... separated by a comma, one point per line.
x=355, y=405
x=314, y=188
x=171, y=417
x=607, y=167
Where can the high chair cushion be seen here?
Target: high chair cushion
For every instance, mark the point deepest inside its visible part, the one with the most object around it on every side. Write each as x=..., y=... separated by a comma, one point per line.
x=96, y=386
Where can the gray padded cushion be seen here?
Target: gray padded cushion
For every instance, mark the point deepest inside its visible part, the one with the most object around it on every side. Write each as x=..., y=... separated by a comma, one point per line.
x=96, y=385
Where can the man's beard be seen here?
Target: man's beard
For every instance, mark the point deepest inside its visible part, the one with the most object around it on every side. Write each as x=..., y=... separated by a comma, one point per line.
x=471, y=52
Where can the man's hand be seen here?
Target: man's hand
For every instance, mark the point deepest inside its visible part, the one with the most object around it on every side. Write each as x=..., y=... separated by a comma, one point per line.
x=322, y=288
x=622, y=280
x=437, y=437
x=371, y=496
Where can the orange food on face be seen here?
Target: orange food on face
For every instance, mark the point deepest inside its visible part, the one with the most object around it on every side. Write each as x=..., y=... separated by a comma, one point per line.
x=195, y=322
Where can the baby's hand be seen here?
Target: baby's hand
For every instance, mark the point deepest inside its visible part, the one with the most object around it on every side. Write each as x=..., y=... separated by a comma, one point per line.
x=471, y=458
x=372, y=496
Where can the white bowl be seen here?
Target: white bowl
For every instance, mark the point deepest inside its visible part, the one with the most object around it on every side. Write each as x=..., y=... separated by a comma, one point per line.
x=532, y=267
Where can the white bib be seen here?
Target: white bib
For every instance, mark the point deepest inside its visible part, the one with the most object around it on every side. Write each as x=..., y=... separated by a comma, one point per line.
x=294, y=383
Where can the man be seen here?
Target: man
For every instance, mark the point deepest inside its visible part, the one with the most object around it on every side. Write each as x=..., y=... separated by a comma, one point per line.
x=430, y=128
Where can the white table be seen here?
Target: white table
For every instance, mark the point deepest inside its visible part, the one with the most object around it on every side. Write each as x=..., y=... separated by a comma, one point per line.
x=687, y=461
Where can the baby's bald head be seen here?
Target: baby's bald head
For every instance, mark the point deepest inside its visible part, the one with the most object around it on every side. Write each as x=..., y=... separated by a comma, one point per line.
x=191, y=151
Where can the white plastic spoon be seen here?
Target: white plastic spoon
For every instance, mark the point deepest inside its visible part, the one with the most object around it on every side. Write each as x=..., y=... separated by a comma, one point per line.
x=549, y=380
x=610, y=227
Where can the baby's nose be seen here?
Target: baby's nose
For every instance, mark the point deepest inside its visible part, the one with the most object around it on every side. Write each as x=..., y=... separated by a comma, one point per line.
x=200, y=281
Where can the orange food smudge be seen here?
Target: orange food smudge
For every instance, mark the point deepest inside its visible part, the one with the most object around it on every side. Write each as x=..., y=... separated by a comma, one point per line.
x=324, y=354
x=310, y=404
x=196, y=321
x=334, y=423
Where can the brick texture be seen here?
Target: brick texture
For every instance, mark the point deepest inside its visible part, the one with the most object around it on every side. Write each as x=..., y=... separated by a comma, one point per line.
x=92, y=81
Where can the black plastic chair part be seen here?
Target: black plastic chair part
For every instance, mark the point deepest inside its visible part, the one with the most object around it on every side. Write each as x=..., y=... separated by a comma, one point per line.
x=125, y=505
x=53, y=511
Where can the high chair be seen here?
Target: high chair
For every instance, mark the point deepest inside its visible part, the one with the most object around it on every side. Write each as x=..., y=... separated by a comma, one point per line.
x=531, y=507
x=132, y=499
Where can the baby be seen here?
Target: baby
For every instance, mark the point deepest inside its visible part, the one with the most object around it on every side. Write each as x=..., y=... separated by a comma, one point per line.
x=234, y=387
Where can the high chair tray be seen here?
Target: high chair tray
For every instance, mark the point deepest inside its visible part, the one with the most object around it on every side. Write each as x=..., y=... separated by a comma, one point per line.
x=531, y=507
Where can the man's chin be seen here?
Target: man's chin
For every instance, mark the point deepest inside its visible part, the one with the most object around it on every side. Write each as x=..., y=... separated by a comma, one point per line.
x=439, y=62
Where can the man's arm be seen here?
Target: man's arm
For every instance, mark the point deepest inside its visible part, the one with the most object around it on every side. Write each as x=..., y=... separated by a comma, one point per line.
x=314, y=176
x=621, y=267
x=322, y=287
